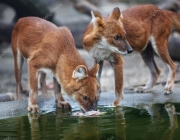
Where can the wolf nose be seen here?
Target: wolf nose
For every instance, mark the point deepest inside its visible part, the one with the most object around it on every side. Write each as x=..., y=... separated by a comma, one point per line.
x=91, y=108
x=129, y=51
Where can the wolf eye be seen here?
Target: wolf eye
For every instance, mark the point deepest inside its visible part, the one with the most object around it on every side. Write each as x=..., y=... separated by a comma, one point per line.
x=76, y=89
x=117, y=37
x=85, y=98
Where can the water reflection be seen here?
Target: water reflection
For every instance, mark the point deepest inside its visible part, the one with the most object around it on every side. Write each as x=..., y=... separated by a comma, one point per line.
x=34, y=125
x=124, y=123
x=85, y=128
x=157, y=121
x=168, y=135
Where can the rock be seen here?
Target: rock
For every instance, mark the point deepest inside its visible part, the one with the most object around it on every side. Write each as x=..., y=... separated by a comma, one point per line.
x=174, y=46
x=4, y=97
x=131, y=99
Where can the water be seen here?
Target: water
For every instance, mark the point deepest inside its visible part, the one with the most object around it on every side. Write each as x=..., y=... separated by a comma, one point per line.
x=124, y=123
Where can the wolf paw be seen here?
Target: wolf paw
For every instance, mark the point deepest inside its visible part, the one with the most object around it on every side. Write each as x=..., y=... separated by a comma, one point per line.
x=168, y=89
x=143, y=89
x=63, y=104
x=117, y=102
x=33, y=108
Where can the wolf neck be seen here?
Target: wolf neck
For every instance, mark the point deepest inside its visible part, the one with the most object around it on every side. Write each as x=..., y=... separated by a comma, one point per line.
x=101, y=51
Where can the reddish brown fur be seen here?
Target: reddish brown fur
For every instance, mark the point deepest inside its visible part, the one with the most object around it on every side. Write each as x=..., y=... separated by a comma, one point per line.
x=137, y=35
x=158, y=24
x=146, y=28
x=46, y=46
x=109, y=28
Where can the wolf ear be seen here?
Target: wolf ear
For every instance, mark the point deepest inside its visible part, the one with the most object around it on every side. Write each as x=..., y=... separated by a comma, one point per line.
x=80, y=72
x=116, y=14
x=97, y=19
x=93, y=71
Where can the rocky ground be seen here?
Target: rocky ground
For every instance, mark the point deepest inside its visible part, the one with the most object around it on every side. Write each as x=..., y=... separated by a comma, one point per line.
x=135, y=72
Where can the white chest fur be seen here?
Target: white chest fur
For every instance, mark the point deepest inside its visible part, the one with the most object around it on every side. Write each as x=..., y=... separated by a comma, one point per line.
x=102, y=50
x=100, y=53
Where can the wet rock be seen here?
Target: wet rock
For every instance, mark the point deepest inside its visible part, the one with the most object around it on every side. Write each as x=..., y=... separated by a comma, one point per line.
x=4, y=97
x=131, y=99
x=174, y=46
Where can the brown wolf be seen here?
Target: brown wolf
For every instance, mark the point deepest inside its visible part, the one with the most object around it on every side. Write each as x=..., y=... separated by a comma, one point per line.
x=49, y=48
x=146, y=28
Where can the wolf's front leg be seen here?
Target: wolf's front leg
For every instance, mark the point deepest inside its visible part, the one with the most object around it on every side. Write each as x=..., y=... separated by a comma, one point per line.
x=61, y=103
x=100, y=70
x=117, y=64
x=99, y=74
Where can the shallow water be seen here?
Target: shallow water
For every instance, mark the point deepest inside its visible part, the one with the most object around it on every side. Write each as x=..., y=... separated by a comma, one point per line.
x=155, y=123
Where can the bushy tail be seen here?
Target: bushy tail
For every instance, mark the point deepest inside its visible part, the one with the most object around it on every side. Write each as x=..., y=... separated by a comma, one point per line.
x=175, y=19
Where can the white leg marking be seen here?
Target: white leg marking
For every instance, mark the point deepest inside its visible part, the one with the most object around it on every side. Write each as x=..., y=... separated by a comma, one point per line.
x=169, y=73
x=32, y=107
x=152, y=40
x=170, y=82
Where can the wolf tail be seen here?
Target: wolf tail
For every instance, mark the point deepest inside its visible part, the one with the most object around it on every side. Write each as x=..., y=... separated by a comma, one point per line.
x=175, y=19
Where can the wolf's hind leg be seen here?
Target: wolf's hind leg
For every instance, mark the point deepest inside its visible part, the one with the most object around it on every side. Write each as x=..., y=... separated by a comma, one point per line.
x=148, y=57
